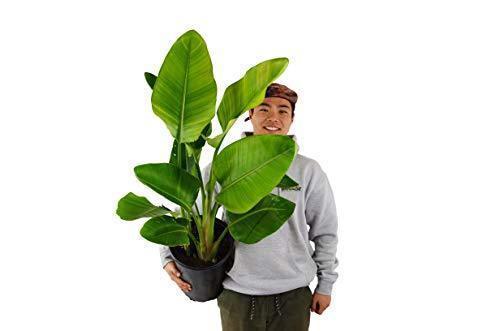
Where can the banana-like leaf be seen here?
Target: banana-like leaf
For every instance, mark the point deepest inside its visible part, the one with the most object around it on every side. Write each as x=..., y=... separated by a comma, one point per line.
x=287, y=183
x=250, y=168
x=166, y=230
x=184, y=157
x=187, y=155
x=173, y=183
x=195, y=147
x=249, y=91
x=150, y=79
x=132, y=207
x=207, y=131
x=262, y=220
x=215, y=141
x=185, y=91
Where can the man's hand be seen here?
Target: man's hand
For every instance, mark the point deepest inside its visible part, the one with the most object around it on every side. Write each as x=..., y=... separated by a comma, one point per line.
x=320, y=302
x=175, y=275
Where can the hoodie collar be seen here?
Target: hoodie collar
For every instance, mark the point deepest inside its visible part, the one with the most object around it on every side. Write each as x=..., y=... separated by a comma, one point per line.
x=250, y=133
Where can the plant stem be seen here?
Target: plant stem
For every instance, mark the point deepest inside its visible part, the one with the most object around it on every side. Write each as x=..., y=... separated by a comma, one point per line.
x=209, y=211
x=196, y=209
x=197, y=222
x=195, y=242
x=211, y=181
x=216, y=245
x=200, y=177
x=213, y=215
x=179, y=157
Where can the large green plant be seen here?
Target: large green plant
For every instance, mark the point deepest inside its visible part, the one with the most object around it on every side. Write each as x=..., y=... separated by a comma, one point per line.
x=184, y=97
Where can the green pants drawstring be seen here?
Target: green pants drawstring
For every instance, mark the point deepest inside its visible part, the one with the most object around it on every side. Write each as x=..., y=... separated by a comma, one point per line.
x=252, y=308
x=276, y=305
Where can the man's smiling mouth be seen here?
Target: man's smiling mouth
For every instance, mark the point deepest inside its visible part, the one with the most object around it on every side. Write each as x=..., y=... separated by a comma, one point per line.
x=271, y=128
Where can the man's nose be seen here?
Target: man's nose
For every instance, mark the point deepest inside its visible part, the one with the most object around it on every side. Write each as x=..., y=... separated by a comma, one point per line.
x=272, y=116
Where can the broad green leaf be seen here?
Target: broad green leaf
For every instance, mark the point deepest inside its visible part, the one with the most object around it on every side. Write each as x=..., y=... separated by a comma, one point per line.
x=173, y=183
x=215, y=141
x=150, y=79
x=287, y=183
x=166, y=230
x=132, y=207
x=262, y=220
x=249, y=91
x=250, y=168
x=190, y=150
x=181, y=157
x=188, y=154
x=195, y=147
x=207, y=131
x=185, y=91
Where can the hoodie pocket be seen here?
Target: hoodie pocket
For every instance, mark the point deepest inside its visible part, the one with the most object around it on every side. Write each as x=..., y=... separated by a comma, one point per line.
x=311, y=270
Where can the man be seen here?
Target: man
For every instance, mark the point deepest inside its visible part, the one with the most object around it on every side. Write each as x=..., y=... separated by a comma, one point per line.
x=268, y=285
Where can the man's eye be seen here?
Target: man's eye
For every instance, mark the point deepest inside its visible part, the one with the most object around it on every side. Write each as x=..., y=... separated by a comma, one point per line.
x=263, y=109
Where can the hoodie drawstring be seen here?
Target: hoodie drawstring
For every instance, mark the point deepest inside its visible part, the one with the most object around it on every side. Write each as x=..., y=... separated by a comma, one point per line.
x=276, y=306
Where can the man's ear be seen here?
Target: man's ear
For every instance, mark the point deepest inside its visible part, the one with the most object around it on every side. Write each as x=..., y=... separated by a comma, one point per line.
x=250, y=113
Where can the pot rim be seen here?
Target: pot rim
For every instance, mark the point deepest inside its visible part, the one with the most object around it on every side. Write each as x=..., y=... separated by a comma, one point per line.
x=217, y=265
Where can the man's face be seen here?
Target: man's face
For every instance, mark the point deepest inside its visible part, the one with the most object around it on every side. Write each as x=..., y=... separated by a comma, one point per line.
x=272, y=116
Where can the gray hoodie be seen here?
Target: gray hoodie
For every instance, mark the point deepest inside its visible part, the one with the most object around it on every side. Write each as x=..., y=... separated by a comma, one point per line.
x=285, y=260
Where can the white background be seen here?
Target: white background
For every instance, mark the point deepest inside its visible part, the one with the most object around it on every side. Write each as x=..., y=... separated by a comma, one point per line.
x=398, y=102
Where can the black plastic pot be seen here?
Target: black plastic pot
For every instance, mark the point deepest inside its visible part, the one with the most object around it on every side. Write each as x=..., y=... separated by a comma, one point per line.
x=206, y=281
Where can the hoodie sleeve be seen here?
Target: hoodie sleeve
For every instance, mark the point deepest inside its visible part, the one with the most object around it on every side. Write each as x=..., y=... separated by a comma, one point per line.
x=321, y=215
x=165, y=255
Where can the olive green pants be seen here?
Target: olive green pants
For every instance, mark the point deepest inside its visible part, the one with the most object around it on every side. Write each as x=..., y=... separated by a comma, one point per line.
x=283, y=311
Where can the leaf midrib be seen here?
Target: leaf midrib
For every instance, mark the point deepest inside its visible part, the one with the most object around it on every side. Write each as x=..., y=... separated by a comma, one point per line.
x=256, y=212
x=163, y=192
x=184, y=92
x=254, y=170
x=147, y=206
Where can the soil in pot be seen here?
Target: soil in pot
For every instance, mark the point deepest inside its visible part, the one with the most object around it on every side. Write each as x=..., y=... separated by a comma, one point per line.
x=205, y=277
x=193, y=261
